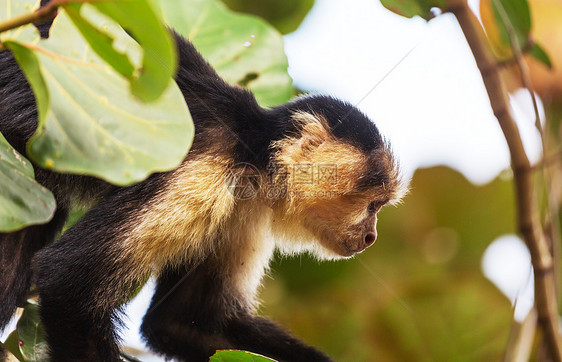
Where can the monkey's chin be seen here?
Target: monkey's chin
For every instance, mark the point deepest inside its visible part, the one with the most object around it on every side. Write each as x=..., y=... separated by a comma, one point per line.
x=344, y=250
x=336, y=251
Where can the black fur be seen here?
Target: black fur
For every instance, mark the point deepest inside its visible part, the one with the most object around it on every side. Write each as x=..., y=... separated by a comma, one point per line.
x=16, y=251
x=212, y=318
x=81, y=279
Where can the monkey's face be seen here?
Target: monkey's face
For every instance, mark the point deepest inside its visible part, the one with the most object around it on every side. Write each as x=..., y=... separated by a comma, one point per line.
x=332, y=190
x=330, y=227
x=346, y=225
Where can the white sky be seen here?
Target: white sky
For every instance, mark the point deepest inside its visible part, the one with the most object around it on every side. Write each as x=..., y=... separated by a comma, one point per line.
x=433, y=106
x=507, y=263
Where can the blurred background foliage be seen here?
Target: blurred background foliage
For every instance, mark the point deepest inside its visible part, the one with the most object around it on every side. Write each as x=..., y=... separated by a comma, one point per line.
x=419, y=293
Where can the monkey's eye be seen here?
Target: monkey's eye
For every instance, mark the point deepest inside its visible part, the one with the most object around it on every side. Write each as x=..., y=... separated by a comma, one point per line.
x=374, y=207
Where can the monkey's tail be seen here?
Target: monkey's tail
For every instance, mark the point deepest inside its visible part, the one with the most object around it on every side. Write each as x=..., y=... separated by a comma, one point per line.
x=16, y=252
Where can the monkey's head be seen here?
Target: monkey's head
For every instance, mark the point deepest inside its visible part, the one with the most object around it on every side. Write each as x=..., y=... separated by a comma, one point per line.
x=331, y=173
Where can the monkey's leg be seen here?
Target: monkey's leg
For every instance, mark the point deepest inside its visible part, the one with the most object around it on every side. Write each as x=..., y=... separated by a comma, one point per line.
x=187, y=313
x=82, y=279
x=195, y=311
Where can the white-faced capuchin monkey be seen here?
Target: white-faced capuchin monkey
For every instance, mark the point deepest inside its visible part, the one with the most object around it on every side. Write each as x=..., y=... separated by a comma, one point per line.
x=309, y=175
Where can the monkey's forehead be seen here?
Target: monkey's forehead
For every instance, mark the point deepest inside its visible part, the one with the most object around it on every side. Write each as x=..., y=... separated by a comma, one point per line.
x=344, y=120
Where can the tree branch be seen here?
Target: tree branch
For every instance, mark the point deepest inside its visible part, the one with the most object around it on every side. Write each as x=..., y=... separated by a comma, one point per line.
x=46, y=12
x=527, y=216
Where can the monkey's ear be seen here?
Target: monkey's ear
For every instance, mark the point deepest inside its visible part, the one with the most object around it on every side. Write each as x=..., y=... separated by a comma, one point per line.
x=314, y=131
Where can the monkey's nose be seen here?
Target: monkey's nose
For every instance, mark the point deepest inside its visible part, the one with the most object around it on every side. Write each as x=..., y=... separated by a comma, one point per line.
x=370, y=238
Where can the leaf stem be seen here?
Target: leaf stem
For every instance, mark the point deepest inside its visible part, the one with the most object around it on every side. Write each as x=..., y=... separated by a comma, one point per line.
x=44, y=13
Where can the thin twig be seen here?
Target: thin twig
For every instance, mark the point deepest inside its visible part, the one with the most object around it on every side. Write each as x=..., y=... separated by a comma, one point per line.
x=44, y=13
x=524, y=50
x=527, y=216
x=551, y=204
x=523, y=68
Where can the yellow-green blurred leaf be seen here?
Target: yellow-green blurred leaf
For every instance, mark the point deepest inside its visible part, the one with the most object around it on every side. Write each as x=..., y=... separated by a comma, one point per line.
x=238, y=46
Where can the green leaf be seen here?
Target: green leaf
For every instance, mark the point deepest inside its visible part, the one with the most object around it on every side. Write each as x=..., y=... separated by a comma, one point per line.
x=94, y=125
x=22, y=200
x=141, y=21
x=31, y=334
x=12, y=344
x=238, y=356
x=29, y=202
x=411, y=8
x=244, y=49
x=540, y=54
x=515, y=16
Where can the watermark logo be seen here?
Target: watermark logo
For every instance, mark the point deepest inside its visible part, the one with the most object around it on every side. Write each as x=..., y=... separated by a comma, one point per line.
x=328, y=173
x=244, y=181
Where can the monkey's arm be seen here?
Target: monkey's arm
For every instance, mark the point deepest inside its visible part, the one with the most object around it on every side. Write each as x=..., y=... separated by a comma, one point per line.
x=262, y=336
x=194, y=313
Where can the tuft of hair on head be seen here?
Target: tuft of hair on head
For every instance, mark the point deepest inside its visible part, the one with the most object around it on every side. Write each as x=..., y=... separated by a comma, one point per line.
x=314, y=145
x=401, y=185
x=312, y=131
x=382, y=172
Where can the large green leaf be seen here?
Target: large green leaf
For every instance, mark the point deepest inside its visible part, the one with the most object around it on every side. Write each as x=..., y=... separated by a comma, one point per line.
x=22, y=200
x=89, y=122
x=238, y=356
x=244, y=49
x=411, y=8
x=94, y=125
x=31, y=335
x=150, y=74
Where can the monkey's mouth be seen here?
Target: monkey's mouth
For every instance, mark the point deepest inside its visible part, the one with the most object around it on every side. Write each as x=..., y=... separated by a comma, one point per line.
x=352, y=251
x=355, y=246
